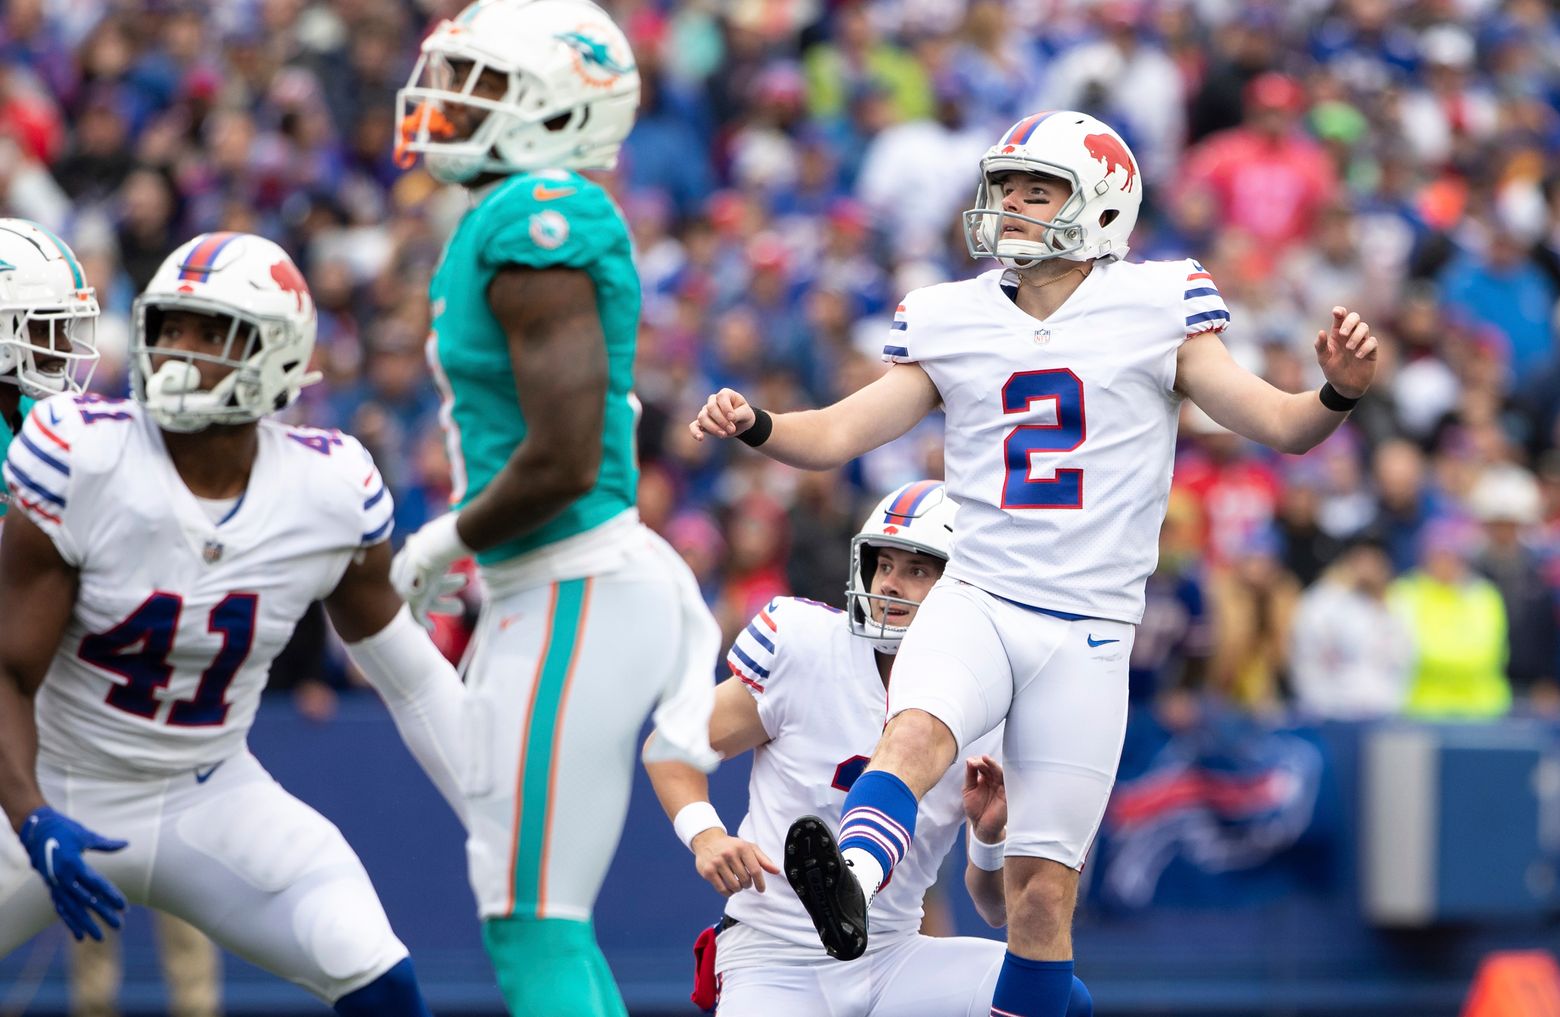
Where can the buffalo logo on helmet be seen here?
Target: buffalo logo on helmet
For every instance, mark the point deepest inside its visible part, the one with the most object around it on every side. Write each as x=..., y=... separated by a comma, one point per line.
x=287, y=278
x=1109, y=150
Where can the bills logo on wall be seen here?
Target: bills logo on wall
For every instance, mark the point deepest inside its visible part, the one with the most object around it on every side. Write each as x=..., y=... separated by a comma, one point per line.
x=1216, y=813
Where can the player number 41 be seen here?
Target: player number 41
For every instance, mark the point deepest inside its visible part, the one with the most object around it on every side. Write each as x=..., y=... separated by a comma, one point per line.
x=137, y=650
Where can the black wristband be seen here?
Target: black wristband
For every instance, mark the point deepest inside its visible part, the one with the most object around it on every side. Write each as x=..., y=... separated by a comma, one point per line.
x=1335, y=400
x=756, y=435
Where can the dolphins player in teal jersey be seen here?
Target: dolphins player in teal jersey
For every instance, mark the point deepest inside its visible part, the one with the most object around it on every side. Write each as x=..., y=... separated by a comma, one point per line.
x=48, y=315
x=591, y=620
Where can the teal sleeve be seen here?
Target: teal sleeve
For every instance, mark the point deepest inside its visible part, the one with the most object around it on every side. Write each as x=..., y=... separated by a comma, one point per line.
x=5, y=442
x=572, y=230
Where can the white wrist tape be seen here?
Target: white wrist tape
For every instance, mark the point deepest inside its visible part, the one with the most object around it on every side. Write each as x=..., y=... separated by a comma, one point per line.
x=443, y=539
x=982, y=855
x=693, y=819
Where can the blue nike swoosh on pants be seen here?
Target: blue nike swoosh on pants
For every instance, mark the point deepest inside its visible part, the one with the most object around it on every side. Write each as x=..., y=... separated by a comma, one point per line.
x=1101, y=642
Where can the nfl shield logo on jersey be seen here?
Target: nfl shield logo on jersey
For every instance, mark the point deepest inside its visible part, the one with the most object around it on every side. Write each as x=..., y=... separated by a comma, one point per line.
x=1042, y=336
x=212, y=552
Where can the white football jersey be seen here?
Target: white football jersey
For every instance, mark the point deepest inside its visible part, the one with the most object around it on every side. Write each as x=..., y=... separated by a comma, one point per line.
x=178, y=617
x=1060, y=434
x=824, y=706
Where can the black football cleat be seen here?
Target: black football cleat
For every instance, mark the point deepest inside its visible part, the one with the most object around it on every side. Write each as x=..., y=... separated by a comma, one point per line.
x=827, y=888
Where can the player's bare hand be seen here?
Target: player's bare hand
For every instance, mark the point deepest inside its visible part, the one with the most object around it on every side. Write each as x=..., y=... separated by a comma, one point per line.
x=725, y=414
x=985, y=798
x=730, y=863
x=1346, y=353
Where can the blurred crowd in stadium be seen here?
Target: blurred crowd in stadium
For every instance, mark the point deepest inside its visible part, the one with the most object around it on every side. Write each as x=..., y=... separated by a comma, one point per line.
x=799, y=164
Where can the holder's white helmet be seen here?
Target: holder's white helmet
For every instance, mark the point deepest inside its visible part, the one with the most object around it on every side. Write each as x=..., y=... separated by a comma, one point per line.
x=572, y=91
x=917, y=517
x=46, y=310
x=254, y=282
x=1096, y=219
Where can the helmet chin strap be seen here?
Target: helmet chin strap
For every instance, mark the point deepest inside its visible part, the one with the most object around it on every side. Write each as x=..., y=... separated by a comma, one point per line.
x=453, y=169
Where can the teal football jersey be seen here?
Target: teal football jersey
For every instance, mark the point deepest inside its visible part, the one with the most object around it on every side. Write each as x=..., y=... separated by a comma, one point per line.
x=551, y=219
x=5, y=440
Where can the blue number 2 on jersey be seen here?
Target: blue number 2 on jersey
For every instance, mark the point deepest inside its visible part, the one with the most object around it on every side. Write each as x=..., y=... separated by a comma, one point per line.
x=1022, y=391
x=137, y=650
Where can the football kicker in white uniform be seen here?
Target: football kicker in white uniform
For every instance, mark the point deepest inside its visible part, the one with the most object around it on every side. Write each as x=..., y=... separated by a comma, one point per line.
x=1062, y=375
x=808, y=695
x=159, y=554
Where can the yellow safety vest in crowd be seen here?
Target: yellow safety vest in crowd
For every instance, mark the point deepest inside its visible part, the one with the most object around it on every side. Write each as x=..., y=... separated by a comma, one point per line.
x=1460, y=647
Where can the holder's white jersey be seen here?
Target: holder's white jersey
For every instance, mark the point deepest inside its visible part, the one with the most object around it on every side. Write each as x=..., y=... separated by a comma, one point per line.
x=823, y=705
x=177, y=617
x=1060, y=433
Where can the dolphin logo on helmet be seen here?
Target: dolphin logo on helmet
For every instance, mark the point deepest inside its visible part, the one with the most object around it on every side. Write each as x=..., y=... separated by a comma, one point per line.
x=596, y=54
x=48, y=313
x=571, y=92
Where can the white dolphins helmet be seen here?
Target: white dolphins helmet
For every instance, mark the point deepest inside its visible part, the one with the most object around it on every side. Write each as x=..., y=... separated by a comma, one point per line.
x=46, y=309
x=917, y=517
x=252, y=281
x=1096, y=219
x=573, y=89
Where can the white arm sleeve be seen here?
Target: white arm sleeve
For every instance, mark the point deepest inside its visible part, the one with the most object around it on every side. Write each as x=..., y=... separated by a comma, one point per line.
x=425, y=697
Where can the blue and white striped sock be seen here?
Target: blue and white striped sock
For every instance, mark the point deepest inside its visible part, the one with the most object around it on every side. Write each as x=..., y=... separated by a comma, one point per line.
x=877, y=827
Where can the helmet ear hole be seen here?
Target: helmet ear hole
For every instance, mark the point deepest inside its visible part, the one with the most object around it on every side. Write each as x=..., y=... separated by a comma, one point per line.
x=1108, y=216
x=558, y=122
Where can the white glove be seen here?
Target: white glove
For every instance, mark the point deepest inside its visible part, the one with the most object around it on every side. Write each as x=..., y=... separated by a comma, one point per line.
x=420, y=571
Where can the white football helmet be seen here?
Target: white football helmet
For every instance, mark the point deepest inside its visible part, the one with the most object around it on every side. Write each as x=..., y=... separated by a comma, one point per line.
x=46, y=310
x=572, y=90
x=1095, y=220
x=917, y=517
x=252, y=281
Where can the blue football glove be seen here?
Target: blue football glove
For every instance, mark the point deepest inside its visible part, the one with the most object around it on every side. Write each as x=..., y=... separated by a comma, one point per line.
x=55, y=843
